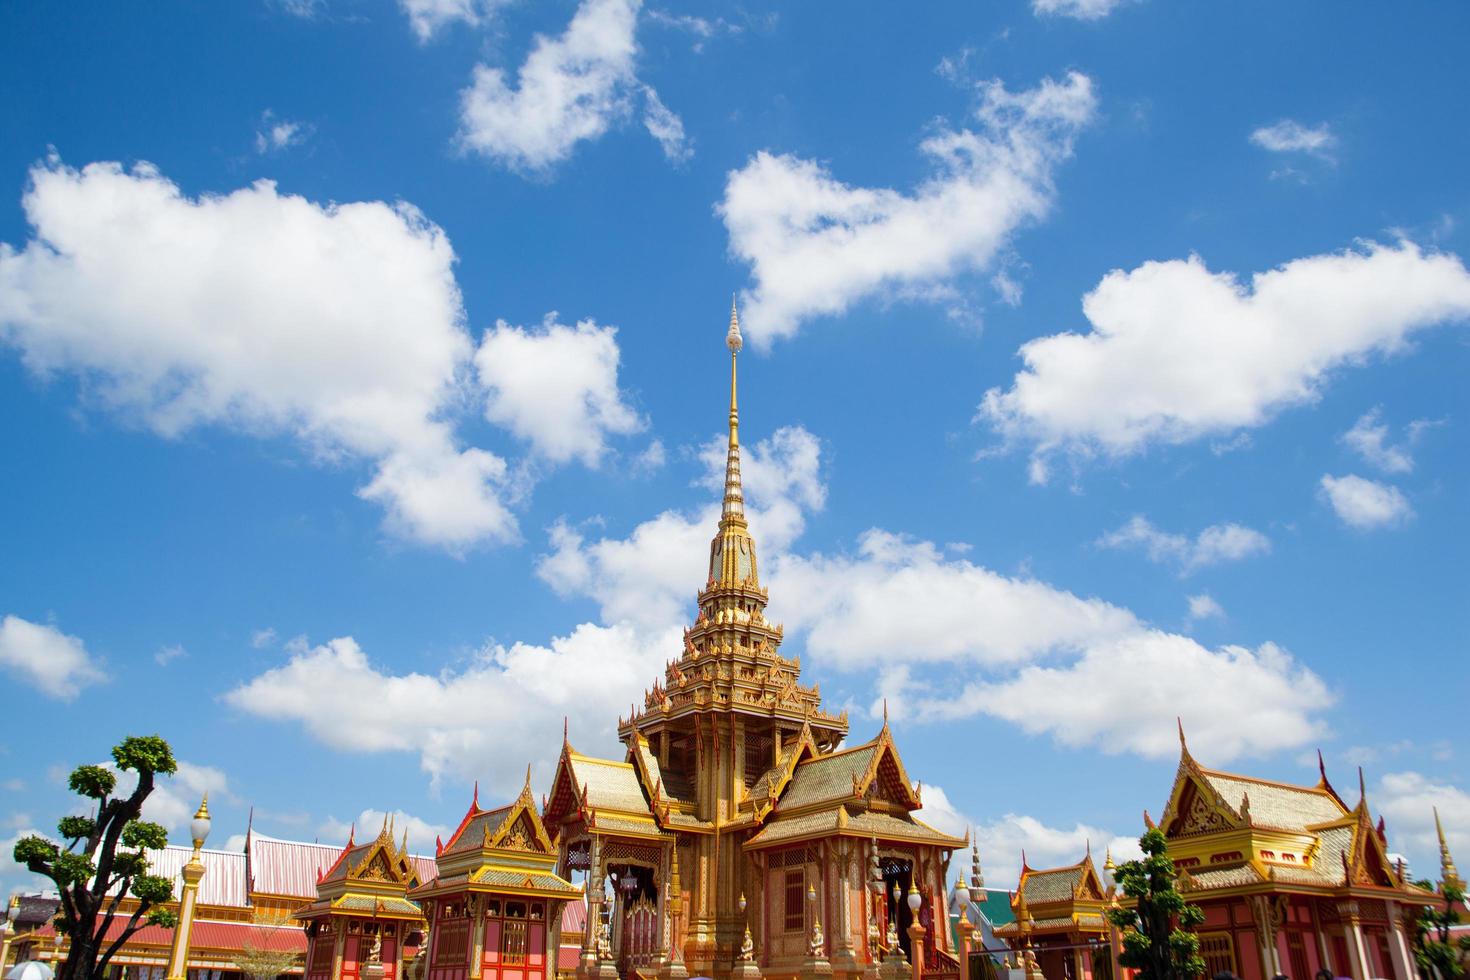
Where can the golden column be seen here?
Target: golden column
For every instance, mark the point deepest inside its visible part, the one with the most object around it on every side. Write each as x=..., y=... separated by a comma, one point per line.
x=7, y=930
x=178, y=957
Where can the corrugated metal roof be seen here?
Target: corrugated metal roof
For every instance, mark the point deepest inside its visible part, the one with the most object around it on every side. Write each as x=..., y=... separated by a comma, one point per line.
x=574, y=916
x=224, y=874
x=207, y=934
x=282, y=867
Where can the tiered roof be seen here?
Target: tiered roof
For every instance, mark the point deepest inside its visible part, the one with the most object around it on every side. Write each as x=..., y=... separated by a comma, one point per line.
x=1228, y=831
x=368, y=879
x=505, y=850
x=1068, y=899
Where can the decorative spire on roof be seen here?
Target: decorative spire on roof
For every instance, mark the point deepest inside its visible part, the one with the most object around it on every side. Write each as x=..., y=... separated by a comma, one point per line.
x=1448, y=874
x=1108, y=864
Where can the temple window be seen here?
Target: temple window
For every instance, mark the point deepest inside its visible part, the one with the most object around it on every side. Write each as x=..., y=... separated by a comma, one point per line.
x=795, y=898
x=1218, y=952
x=515, y=910
x=513, y=941
x=537, y=912
x=492, y=908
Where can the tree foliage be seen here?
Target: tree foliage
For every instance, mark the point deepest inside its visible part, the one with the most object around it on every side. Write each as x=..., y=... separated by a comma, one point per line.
x=102, y=860
x=1437, y=956
x=1158, y=938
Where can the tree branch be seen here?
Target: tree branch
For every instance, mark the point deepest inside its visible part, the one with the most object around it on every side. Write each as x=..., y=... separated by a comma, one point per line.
x=126, y=934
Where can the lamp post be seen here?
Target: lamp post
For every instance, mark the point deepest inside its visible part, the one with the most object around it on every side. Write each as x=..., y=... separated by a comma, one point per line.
x=916, y=931
x=875, y=885
x=178, y=957
x=815, y=946
x=963, y=930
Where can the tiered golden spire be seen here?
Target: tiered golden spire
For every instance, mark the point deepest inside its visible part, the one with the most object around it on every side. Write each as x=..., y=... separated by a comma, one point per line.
x=733, y=507
x=1448, y=873
x=732, y=553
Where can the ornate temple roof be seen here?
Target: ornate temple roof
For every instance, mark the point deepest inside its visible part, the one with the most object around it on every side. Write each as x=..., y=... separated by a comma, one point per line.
x=1226, y=830
x=858, y=792
x=504, y=850
x=1065, y=899
x=368, y=879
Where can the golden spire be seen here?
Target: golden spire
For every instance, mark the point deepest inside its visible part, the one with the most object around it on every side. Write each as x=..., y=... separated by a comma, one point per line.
x=732, y=562
x=1448, y=874
x=733, y=507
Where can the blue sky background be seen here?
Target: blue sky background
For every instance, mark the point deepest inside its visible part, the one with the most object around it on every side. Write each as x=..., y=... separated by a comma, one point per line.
x=123, y=544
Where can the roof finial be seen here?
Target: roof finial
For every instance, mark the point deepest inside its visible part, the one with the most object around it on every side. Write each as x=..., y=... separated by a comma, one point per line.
x=885, y=712
x=1362, y=789
x=1448, y=874
x=475, y=800
x=1321, y=766
x=1183, y=745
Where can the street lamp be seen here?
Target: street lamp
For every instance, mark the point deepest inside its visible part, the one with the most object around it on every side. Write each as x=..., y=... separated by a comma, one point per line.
x=747, y=944
x=815, y=947
x=916, y=931
x=178, y=958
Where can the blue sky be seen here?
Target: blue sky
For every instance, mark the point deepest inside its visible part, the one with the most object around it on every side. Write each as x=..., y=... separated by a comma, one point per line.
x=360, y=367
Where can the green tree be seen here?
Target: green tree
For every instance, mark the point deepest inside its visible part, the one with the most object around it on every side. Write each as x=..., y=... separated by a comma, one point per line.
x=103, y=859
x=1437, y=956
x=1158, y=938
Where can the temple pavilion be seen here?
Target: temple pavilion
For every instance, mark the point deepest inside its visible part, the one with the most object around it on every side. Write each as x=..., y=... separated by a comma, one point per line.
x=736, y=831
x=1292, y=879
x=1059, y=914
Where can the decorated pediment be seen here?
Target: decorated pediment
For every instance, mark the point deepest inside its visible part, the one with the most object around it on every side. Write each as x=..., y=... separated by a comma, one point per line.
x=1195, y=808
x=886, y=779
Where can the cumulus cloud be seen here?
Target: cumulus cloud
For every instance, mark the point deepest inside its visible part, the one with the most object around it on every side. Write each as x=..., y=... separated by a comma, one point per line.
x=571, y=88
x=14, y=876
x=1002, y=841
x=817, y=245
x=428, y=17
x=421, y=833
x=647, y=577
x=1407, y=800
x=1290, y=136
x=1178, y=353
x=1213, y=545
x=454, y=721
x=1082, y=670
x=167, y=655
x=1365, y=504
x=556, y=387
x=1369, y=438
x=1075, y=9
x=340, y=325
x=41, y=655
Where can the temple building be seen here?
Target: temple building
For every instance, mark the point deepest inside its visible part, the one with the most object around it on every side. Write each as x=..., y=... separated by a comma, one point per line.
x=494, y=899
x=362, y=915
x=1291, y=878
x=1057, y=913
x=735, y=829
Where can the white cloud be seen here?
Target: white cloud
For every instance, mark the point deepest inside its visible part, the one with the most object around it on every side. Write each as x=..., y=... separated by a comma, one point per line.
x=175, y=798
x=1076, y=9
x=1407, y=801
x=701, y=28
x=1369, y=439
x=305, y=9
x=427, y=17
x=277, y=134
x=369, y=824
x=1087, y=672
x=1178, y=353
x=167, y=655
x=846, y=607
x=339, y=324
x=1123, y=696
x=647, y=577
x=556, y=387
x=46, y=658
x=571, y=88
x=261, y=639
x=455, y=721
x=666, y=127
x=1204, y=606
x=1001, y=842
x=1364, y=503
x=1215, y=544
x=1290, y=136
x=817, y=245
